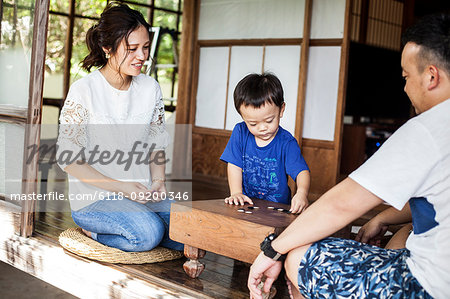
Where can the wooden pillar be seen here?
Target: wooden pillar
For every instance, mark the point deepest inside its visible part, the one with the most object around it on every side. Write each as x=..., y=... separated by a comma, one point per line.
x=33, y=129
x=187, y=50
x=408, y=14
x=299, y=117
x=182, y=167
x=363, y=21
x=342, y=89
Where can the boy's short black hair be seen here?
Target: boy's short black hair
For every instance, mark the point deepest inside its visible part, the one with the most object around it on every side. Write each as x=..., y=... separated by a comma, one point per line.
x=258, y=89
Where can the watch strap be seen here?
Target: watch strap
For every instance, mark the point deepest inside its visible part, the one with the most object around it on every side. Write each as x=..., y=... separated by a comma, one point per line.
x=267, y=249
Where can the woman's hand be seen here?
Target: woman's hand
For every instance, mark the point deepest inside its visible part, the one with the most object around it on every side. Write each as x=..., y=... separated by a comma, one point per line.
x=238, y=199
x=135, y=191
x=158, y=190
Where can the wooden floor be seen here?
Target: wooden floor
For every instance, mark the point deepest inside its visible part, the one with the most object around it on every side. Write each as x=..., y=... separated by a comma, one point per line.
x=222, y=277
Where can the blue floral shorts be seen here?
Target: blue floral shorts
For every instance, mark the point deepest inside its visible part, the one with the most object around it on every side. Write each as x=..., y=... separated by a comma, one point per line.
x=340, y=268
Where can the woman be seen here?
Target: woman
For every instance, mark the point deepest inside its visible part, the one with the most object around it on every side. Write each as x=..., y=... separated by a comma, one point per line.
x=112, y=127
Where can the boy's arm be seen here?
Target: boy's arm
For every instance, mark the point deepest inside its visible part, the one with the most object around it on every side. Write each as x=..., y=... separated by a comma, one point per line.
x=300, y=200
x=377, y=226
x=332, y=211
x=235, y=183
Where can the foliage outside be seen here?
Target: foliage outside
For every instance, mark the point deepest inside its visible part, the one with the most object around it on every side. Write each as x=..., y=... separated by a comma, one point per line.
x=91, y=10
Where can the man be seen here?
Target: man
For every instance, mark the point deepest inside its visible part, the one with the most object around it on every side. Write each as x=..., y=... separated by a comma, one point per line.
x=413, y=167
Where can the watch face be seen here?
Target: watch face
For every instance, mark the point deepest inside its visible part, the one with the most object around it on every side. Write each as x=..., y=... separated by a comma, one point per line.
x=264, y=244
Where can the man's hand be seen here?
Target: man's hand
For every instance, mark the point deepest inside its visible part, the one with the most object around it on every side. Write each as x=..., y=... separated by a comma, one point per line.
x=238, y=199
x=262, y=266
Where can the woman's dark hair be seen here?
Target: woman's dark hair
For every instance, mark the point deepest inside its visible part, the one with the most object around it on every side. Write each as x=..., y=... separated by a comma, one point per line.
x=116, y=22
x=432, y=34
x=258, y=89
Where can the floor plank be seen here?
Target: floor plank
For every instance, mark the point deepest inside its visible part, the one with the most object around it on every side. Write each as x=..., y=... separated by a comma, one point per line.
x=222, y=277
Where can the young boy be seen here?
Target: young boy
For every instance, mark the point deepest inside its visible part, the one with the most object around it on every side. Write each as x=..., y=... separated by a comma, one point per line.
x=260, y=154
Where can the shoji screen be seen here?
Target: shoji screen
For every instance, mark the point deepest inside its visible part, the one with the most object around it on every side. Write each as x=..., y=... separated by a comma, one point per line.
x=250, y=19
x=327, y=24
x=241, y=37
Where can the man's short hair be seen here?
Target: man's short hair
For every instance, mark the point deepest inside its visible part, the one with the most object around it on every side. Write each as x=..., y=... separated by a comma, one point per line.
x=257, y=90
x=432, y=34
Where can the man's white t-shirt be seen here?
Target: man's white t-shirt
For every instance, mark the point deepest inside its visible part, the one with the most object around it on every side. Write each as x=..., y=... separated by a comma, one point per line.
x=414, y=165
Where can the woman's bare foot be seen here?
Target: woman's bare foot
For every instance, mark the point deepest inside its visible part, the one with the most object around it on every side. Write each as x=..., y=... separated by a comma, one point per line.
x=87, y=233
x=294, y=293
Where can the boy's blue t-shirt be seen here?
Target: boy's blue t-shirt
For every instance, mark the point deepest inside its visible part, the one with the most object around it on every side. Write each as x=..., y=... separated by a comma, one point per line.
x=265, y=169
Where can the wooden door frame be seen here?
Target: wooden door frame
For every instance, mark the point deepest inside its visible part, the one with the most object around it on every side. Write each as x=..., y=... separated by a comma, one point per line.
x=33, y=121
x=312, y=147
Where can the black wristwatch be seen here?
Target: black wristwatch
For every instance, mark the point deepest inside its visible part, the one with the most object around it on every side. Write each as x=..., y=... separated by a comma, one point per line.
x=267, y=249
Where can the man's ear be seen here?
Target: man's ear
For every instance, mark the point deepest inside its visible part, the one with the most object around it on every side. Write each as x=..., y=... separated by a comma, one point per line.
x=433, y=77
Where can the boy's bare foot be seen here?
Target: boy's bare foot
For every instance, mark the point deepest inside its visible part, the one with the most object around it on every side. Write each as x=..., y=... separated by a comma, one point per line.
x=87, y=233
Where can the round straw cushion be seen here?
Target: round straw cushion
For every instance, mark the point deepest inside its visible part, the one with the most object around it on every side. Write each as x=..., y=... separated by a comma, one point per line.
x=75, y=241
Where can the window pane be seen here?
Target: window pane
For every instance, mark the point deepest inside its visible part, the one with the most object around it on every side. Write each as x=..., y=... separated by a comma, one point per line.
x=79, y=50
x=11, y=158
x=165, y=81
x=17, y=25
x=145, y=11
x=15, y=52
x=165, y=19
x=140, y=1
x=90, y=8
x=170, y=4
x=54, y=61
x=175, y=89
x=165, y=50
x=165, y=64
x=59, y=6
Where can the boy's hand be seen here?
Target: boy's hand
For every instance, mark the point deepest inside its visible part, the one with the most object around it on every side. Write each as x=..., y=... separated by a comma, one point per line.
x=299, y=203
x=372, y=232
x=238, y=199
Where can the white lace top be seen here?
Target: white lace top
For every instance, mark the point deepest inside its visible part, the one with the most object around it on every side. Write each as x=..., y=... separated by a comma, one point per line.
x=112, y=130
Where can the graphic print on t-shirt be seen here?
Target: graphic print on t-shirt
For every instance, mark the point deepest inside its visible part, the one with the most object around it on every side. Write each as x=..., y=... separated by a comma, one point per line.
x=260, y=175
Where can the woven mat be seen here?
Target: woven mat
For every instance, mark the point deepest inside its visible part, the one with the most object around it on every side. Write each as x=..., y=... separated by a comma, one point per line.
x=74, y=240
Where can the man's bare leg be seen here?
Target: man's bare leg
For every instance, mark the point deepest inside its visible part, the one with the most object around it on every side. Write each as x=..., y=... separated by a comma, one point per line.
x=291, y=265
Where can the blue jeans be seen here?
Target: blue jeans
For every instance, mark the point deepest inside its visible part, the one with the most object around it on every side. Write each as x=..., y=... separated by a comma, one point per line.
x=128, y=225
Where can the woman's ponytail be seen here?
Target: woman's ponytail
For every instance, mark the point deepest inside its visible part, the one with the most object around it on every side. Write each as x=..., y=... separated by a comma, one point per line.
x=96, y=56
